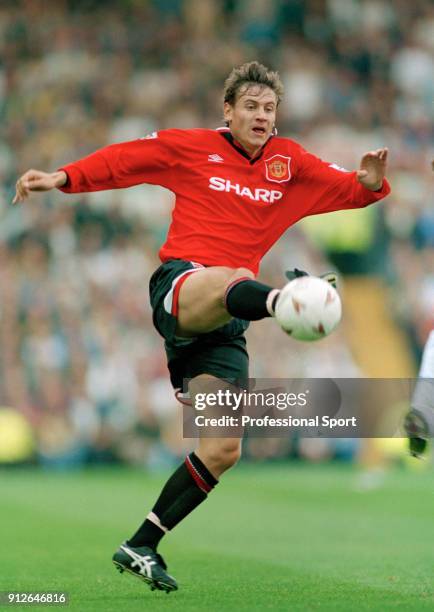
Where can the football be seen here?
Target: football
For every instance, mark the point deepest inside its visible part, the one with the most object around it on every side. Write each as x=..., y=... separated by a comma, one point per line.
x=308, y=308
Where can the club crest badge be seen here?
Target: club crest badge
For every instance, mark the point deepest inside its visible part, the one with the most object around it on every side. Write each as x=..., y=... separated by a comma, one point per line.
x=277, y=168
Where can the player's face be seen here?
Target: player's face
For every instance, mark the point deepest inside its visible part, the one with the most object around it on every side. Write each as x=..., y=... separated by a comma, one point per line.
x=252, y=117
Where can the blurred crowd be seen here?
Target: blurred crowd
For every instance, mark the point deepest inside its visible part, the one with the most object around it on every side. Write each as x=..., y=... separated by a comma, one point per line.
x=79, y=357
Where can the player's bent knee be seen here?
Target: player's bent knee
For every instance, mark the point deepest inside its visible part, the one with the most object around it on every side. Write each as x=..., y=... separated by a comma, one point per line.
x=221, y=282
x=230, y=458
x=224, y=456
x=237, y=274
x=201, y=302
x=221, y=278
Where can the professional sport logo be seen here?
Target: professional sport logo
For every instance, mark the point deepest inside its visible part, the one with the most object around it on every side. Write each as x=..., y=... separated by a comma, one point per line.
x=277, y=168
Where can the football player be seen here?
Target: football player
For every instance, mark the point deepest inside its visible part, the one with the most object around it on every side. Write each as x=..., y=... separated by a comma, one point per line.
x=237, y=188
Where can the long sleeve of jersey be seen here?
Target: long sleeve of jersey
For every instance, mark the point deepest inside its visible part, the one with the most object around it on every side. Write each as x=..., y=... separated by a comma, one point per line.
x=229, y=210
x=126, y=164
x=335, y=187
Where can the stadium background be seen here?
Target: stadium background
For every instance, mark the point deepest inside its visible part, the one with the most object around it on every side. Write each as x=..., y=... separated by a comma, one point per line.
x=80, y=362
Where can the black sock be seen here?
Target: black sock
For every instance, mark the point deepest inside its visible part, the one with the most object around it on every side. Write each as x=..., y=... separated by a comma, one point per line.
x=188, y=487
x=249, y=300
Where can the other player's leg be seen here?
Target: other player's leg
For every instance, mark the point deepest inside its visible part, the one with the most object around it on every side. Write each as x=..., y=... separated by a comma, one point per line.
x=419, y=422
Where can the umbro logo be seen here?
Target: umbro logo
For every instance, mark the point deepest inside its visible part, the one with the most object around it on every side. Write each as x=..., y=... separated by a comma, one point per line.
x=215, y=158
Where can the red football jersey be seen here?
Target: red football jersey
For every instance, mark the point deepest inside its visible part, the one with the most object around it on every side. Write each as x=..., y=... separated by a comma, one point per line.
x=230, y=209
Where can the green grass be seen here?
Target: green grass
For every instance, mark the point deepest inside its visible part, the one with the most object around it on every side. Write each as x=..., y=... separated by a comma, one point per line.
x=292, y=537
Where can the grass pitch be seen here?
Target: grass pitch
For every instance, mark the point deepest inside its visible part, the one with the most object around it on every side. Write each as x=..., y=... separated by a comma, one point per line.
x=280, y=537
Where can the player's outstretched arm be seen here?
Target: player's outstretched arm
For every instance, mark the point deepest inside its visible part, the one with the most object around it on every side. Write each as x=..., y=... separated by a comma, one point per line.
x=373, y=169
x=36, y=180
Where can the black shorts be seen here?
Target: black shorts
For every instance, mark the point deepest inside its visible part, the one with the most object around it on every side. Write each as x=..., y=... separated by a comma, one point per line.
x=221, y=352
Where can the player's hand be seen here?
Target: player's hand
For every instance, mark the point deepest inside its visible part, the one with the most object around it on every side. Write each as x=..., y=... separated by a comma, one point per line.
x=373, y=169
x=35, y=180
